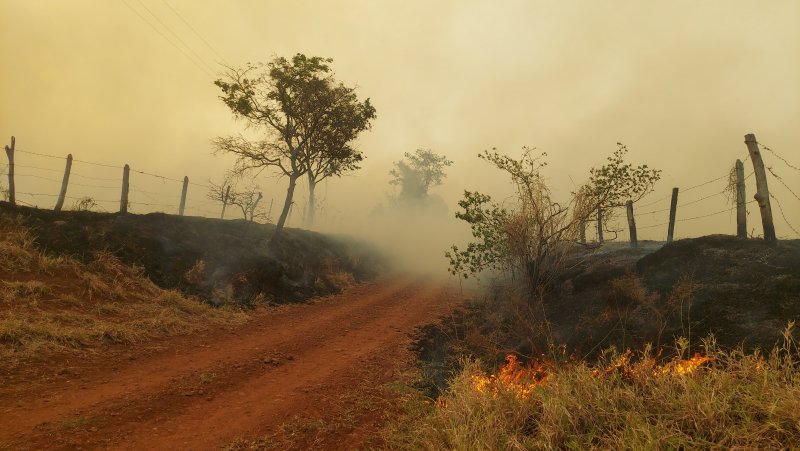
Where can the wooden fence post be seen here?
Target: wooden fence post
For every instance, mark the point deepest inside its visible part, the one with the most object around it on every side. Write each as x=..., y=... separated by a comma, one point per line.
x=225, y=202
x=64, y=182
x=762, y=190
x=269, y=212
x=253, y=207
x=741, y=210
x=183, y=195
x=632, y=224
x=123, y=201
x=582, y=231
x=12, y=199
x=673, y=206
x=600, y=225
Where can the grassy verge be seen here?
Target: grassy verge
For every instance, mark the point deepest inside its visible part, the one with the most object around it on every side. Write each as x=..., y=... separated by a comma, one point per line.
x=724, y=399
x=58, y=304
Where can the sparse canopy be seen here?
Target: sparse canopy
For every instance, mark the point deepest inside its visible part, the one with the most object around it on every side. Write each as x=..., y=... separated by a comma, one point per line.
x=531, y=237
x=418, y=173
x=307, y=118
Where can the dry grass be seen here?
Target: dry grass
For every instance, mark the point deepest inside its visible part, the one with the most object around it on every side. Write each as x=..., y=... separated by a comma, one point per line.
x=733, y=401
x=54, y=304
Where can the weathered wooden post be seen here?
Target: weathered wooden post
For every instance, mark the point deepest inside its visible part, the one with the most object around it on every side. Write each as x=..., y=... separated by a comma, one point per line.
x=123, y=201
x=269, y=212
x=582, y=231
x=182, y=208
x=64, y=182
x=253, y=207
x=762, y=190
x=632, y=224
x=12, y=199
x=673, y=206
x=741, y=210
x=225, y=201
x=599, y=224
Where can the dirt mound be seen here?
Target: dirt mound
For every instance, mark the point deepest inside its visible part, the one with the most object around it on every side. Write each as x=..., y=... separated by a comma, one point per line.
x=222, y=261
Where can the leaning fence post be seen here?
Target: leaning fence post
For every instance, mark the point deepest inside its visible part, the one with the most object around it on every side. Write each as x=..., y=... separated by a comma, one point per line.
x=673, y=206
x=599, y=224
x=762, y=190
x=123, y=201
x=183, y=195
x=741, y=210
x=632, y=224
x=11, y=190
x=63, y=194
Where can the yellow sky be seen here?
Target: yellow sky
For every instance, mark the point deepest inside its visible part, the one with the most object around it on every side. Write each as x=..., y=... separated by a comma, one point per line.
x=679, y=82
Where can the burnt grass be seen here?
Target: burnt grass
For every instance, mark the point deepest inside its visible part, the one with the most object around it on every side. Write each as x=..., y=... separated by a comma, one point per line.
x=741, y=291
x=237, y=263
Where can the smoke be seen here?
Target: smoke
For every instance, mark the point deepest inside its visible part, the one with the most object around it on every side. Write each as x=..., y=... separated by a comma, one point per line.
x=679, y=83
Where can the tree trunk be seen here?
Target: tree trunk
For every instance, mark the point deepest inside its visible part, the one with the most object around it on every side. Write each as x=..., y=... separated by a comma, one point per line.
x=312, y=200
x=287, y=204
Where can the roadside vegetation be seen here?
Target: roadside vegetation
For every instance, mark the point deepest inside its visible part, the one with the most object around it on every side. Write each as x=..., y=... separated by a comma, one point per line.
x=724, y=399
x=51, y=304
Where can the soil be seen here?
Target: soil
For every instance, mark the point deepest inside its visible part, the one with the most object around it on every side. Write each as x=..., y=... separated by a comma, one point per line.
x=301, y=376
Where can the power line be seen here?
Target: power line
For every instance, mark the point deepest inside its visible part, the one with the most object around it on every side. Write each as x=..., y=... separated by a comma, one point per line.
x=206, y=71
x=166, y=27
x=196, y=33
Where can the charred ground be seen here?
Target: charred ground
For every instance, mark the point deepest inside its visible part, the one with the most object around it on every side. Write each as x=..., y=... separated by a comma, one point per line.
x=221, y=261
x=743, y=291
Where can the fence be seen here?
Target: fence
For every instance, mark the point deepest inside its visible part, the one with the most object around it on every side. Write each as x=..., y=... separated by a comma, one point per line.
x=132, y=197
x=100, y=192
x=735, y=188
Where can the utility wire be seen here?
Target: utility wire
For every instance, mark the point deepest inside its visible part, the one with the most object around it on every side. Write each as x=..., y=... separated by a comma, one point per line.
x=203, y=69
x=196, y=33
x=166, y=27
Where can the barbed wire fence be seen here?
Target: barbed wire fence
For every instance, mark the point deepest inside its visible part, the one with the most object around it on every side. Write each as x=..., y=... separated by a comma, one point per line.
x=37, y=186
x=98, y=192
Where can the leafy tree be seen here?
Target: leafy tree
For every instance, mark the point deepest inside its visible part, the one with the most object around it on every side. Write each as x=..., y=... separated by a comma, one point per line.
x=419, y=172
x=533, y=236
x=306, y=116
x=330, y=151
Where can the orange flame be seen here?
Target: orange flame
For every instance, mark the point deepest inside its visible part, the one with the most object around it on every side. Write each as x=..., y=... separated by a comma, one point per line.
x=522, y=379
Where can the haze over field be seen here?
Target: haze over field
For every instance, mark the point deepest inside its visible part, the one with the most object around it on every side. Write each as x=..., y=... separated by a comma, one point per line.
x=679, y=83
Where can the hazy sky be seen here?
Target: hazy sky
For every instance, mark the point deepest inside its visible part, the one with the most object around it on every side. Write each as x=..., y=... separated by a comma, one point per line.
x=679, y=82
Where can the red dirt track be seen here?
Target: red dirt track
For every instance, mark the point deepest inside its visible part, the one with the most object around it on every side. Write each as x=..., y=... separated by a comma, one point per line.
x=302, y=376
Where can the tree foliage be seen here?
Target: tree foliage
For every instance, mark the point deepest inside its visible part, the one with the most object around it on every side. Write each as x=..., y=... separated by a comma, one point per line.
x=308, y=121
x=418, y=173
x=531, y=236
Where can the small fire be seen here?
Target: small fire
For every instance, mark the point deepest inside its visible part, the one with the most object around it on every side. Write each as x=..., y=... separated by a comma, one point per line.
x=681, y=367
x=522, y=379
x=513, y=376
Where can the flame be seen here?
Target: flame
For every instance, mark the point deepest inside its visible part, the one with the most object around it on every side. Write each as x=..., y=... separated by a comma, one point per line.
x=681, y=367
x=514, y=377
x=521, y=380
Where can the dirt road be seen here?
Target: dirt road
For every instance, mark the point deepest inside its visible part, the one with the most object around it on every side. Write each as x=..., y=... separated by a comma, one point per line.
x=309, y=376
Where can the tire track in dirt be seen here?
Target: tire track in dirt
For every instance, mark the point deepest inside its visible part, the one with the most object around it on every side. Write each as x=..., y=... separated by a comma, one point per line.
x=254, y=385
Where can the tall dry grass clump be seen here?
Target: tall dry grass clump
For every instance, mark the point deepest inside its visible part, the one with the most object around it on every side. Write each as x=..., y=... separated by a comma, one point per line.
x=58, y=304
x=724, y=399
